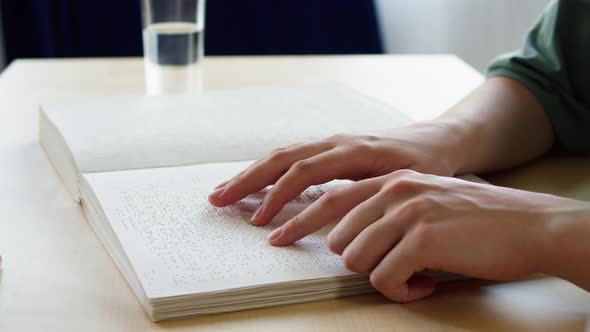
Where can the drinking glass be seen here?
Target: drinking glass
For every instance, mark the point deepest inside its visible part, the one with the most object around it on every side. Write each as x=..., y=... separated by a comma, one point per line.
x=173, y=32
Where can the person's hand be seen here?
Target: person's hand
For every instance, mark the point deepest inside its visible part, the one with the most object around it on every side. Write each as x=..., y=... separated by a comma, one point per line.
x=429, y=148
x=398, y=224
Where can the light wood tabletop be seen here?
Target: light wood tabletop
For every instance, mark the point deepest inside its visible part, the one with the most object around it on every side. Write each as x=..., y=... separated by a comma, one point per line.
x=56, y=276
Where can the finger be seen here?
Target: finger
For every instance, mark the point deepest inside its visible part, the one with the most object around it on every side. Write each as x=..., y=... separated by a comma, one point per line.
x=399, y=201
x=265, y=172
x=331, y=206
x=233, y=178
x=373, y=243
x=359, y=218
x=222, y=184
x=218, y=189
x=376, y=240
x=393, y=276
x=303, y=174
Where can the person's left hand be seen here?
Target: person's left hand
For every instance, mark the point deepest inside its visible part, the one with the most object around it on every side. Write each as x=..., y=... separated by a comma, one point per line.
x=409, y=222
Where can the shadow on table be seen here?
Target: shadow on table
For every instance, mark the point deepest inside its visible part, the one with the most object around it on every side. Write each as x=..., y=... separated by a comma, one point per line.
x=462, y=305
x=567, y=176
x=535, y=304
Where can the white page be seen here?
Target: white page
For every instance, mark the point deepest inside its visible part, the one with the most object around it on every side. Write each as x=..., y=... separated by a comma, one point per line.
x=118, y=133
x=179, y=244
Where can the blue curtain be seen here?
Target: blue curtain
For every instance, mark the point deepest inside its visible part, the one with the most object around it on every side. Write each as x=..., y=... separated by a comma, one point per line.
x=71, y=28
x=74, y=28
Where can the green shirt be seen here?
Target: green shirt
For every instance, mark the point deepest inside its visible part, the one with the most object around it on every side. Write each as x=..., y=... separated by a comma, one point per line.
x=554, y=64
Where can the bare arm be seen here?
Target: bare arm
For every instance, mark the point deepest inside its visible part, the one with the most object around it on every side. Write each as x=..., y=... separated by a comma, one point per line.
x=502, y=125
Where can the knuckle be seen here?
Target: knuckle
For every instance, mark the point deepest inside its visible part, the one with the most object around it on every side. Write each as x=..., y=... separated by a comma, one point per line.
x=423, y=236
x=333, y=243
x=241, y=175
x=338, y=137
x=302, y=166
x=331, y=199
x=277, y=155
x=352, y=261
x=415, y=208
x=371, y=138
x=402, y=185
x=277, y=195
x=278, y=150
x=406, y=172
x=378, y=280
x=326, y=145
x=356, y=262
x=360, y=148
x=363, y=137
x=293, y=225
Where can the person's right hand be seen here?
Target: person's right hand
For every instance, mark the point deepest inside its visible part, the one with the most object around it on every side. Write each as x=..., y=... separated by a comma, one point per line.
x=427, y=148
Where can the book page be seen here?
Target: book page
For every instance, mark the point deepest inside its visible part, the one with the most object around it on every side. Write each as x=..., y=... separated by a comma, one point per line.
x=178, y=244
x=133, y=132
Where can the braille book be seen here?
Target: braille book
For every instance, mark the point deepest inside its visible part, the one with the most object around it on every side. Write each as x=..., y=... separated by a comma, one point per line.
x=142, y=168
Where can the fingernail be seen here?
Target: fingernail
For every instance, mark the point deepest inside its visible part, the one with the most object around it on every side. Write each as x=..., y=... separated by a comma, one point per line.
x=274, y=234
x=217, y=193
x=256, y=214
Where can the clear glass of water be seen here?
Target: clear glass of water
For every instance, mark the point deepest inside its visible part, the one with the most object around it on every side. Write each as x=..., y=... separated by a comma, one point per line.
x=173, y=32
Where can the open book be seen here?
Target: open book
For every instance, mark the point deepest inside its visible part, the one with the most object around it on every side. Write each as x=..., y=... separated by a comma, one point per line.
x=142, y=168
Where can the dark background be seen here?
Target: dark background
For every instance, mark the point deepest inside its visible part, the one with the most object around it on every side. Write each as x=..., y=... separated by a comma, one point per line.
x=80, y=28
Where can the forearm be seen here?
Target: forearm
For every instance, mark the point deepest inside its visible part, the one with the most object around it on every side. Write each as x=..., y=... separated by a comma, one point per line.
x=500, y=124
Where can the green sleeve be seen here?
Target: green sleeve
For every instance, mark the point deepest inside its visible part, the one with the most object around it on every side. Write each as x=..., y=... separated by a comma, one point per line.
x=554, y=65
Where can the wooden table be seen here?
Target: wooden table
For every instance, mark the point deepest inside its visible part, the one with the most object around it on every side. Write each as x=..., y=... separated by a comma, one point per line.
x=58, y=277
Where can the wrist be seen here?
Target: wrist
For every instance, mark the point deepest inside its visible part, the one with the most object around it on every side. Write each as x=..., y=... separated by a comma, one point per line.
x=564, y=246
x=453, y=139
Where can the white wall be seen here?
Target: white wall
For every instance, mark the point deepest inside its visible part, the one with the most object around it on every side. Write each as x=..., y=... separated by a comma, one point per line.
x=475, y=30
